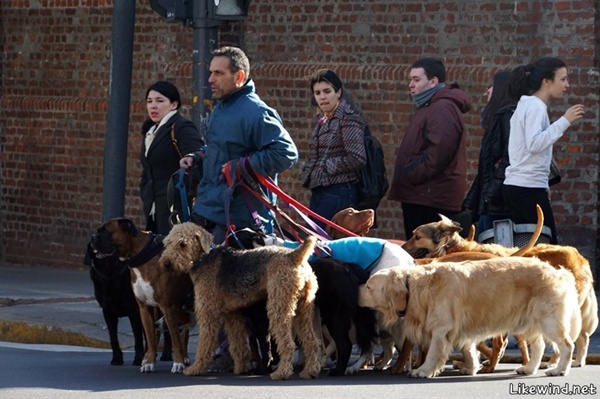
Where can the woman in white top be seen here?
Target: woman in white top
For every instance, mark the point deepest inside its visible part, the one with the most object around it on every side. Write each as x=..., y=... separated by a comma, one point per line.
x=531, y=139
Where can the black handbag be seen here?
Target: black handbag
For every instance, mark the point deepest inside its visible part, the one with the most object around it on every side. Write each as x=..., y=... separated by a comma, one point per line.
x=554, y=176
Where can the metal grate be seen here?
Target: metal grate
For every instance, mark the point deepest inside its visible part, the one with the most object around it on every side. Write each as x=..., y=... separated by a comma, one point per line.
x=506, y=233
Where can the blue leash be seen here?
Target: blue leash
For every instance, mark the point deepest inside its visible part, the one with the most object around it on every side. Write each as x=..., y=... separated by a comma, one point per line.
x=183, y=194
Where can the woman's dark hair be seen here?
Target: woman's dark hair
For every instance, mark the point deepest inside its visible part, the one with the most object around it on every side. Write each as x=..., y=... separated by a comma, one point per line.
x=529, y=77
x=327, y=76
x=167, y=89
x=498, y=99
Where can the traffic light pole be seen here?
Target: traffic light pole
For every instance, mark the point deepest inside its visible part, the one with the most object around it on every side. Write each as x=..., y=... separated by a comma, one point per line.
x=206, y=33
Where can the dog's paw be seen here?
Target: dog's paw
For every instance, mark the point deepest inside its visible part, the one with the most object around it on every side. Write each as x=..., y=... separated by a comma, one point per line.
x=147, y=367
x=117, y=361
x=467, y=371
x=525, y=370
x=578, y=363
x=556, y=372
x=177, y=368
x=419, y=373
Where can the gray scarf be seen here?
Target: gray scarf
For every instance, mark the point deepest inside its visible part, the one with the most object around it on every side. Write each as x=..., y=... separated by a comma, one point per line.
x=423, y=98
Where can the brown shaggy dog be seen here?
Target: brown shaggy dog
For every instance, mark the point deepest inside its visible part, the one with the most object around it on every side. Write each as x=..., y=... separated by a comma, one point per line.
x=357, y=222
x=435, y=239
x=227, y=281
x=446, y=305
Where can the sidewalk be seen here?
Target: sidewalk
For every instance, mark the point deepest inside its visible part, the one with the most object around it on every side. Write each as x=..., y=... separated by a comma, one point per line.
x=48, y=305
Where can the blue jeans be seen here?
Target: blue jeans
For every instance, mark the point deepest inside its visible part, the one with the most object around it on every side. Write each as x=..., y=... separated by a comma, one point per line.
x=329, y=200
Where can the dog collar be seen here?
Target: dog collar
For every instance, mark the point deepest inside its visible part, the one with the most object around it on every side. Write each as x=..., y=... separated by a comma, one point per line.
x=453, y=248
x=153, y=247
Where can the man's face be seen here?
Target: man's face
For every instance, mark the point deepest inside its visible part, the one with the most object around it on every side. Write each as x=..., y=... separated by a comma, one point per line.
x=419, y=82
x=222, y=81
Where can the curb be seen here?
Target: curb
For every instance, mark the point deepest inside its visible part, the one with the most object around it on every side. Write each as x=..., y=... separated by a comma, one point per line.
x=21, y=332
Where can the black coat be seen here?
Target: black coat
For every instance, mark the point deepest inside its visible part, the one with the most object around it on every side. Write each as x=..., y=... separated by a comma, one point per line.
x=485, y=195
x=161, y=162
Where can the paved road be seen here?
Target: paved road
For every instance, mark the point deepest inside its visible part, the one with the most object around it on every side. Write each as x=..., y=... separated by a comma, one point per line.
x=62, y=372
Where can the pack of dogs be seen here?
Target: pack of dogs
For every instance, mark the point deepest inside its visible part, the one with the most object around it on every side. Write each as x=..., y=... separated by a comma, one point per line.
x=419, y=299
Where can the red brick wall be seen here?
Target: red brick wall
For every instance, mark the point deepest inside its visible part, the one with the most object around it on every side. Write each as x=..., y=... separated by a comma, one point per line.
x=55, y=77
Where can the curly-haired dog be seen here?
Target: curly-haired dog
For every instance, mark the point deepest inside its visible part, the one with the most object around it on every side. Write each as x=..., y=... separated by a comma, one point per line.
x=113, y=292
x=435, y=239
x=447, y=305
x=154, y=287
x=227, y=281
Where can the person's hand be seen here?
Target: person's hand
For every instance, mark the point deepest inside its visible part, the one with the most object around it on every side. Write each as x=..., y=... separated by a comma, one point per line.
x=188, y=160
x=574, y=113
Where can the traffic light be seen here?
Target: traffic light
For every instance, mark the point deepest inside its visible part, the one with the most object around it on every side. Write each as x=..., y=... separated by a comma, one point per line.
x=228, y=9
x=174, y=10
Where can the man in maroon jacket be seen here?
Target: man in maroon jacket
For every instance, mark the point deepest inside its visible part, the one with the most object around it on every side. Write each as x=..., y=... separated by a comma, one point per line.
x=430, y=175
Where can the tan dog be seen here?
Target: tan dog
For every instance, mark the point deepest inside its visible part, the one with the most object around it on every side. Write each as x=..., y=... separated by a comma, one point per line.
x=227, y=281
x=357, y=222
x=446, y=305
x=153, y=286
x=440, y=237
x=435, y=239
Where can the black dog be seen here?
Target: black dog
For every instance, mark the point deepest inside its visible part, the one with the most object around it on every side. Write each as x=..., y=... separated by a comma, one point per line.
x=337, y=300
x=112, y=289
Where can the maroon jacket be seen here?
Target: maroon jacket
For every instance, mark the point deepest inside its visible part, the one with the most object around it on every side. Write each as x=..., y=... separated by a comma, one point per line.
x=431, y=164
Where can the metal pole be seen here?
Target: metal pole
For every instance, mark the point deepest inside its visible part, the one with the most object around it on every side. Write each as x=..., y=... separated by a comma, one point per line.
x=117, y=119
x=205, y=40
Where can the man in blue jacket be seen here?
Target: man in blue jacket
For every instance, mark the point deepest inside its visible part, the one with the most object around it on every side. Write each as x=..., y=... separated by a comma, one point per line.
x=240, y=125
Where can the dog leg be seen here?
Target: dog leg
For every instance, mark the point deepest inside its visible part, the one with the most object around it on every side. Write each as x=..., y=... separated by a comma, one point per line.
x=147, y=316
x=582, y=343
x=564, y=351
x=179, y=349
x=498, y=348
x=138, y=335
x=112, y=323
x=537, y=352
x=235, y=329
x=208, y=333
x=311, y=344
x=403, y=358
x=470, y=360
x=522, y=344
x=436, y=356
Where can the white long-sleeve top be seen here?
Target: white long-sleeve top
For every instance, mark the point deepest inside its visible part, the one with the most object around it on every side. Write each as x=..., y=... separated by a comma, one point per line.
x=530, y=143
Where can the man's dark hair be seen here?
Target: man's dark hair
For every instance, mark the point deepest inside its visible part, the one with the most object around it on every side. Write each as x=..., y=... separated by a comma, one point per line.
x=433, y=67
x=238, y=61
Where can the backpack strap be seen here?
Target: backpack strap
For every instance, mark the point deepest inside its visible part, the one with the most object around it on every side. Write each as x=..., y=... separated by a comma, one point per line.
x=174, y=140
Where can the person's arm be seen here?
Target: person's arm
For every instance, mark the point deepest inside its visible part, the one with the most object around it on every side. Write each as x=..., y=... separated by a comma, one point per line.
x=538, y=139
x=442, y=135
x=276, y=151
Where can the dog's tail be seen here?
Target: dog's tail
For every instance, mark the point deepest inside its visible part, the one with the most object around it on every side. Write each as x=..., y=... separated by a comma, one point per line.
x=535, y=235
x=300, y=255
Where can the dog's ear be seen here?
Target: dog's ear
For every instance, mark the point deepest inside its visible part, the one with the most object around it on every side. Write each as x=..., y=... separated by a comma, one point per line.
x=128, y=226
x=204, y=239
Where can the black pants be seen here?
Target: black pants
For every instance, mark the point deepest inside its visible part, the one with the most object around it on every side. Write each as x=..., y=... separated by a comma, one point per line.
x=522, y=200
x=416, y=215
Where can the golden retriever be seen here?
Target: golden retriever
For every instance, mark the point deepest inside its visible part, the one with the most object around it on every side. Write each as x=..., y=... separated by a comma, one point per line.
x=446, y=305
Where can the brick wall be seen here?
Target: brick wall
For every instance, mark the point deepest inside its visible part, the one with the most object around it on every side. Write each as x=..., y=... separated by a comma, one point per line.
x=55, y=77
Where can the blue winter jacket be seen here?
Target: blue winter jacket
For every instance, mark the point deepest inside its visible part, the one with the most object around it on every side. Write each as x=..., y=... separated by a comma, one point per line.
x=242, y=125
